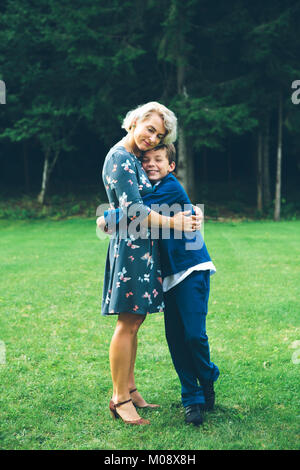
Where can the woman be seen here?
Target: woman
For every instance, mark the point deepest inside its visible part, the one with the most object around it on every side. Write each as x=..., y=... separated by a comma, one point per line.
x=132, y=282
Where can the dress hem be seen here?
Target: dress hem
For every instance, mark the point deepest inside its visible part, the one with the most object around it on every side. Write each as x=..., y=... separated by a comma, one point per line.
x=135, y=313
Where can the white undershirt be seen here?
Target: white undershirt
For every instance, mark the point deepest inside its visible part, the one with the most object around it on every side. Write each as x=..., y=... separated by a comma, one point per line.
x=174, y=279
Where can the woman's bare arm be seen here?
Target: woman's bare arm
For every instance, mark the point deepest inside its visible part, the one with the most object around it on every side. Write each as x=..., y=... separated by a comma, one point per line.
x=181, y=221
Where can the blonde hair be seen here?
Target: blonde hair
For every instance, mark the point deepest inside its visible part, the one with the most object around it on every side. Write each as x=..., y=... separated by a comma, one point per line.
x=145, y=110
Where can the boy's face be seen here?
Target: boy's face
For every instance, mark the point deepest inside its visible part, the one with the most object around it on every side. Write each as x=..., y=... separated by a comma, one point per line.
x=156, y=164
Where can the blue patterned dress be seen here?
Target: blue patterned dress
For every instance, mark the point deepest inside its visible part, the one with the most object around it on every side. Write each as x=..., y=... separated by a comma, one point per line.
x=132, y=280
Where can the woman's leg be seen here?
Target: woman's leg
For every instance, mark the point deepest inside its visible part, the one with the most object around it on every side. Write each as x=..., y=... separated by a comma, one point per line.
x=131, y=382
x=122, y=354
x=136, y=396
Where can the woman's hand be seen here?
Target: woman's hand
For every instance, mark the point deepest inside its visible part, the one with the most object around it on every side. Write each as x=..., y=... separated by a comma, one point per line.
x=199, y=213
x=101, y=224
x=187, y=223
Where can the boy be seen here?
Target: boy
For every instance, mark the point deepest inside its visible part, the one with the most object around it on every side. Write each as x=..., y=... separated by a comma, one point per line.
x=186, y=267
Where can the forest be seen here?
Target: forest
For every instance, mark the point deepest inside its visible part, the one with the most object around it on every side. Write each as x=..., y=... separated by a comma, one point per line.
x=230, y=70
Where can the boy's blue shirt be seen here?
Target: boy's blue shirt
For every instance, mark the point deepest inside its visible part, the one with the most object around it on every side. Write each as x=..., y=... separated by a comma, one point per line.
x=177, y=254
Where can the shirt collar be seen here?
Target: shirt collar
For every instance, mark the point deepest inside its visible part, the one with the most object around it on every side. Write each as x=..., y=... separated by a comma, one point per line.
x=154, y=186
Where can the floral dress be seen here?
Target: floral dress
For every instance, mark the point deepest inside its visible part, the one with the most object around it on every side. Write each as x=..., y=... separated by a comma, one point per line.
x=132, y=280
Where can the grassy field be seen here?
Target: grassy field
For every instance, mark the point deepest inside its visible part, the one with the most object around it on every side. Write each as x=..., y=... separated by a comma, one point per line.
x=55, y=382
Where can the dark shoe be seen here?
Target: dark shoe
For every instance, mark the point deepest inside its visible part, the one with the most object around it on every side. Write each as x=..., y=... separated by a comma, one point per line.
x=193, y=414
x=209, y=394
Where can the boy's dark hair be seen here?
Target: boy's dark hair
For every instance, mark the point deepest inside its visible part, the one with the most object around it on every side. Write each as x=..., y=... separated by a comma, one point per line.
x=170, y=151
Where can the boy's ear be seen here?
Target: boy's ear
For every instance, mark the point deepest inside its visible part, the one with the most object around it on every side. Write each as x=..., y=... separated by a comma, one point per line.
x=172, y=167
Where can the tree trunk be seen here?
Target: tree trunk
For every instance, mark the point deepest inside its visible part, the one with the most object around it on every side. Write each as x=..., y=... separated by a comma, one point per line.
x=26, y=172
x=204, y=165
x=266, y=164
x=48, y=167
x=229, y=164
x=229, y=170
x=278, y=166
x=181, y=170
x=42, y=194
x=259, y=173
x=185, y=157
x=181, y=148
x=191, y=187
x=185, y=164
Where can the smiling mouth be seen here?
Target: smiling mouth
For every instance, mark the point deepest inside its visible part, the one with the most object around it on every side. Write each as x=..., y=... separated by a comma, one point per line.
x=153, y=174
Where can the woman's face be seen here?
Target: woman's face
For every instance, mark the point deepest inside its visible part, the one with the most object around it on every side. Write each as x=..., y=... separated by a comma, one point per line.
x=148, y=134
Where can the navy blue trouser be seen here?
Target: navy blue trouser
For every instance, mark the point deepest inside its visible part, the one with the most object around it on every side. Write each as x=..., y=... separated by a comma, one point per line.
x=185, y=326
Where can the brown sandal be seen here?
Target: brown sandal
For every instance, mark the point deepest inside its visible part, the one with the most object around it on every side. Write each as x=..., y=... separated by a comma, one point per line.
x=149, y=406
x=115, y=414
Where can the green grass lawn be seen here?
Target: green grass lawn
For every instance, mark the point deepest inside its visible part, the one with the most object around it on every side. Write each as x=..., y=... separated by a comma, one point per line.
x=55, y=383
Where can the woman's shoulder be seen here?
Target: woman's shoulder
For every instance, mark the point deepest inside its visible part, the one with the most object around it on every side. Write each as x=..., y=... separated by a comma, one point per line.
x=119, y=161
x=119, y=152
